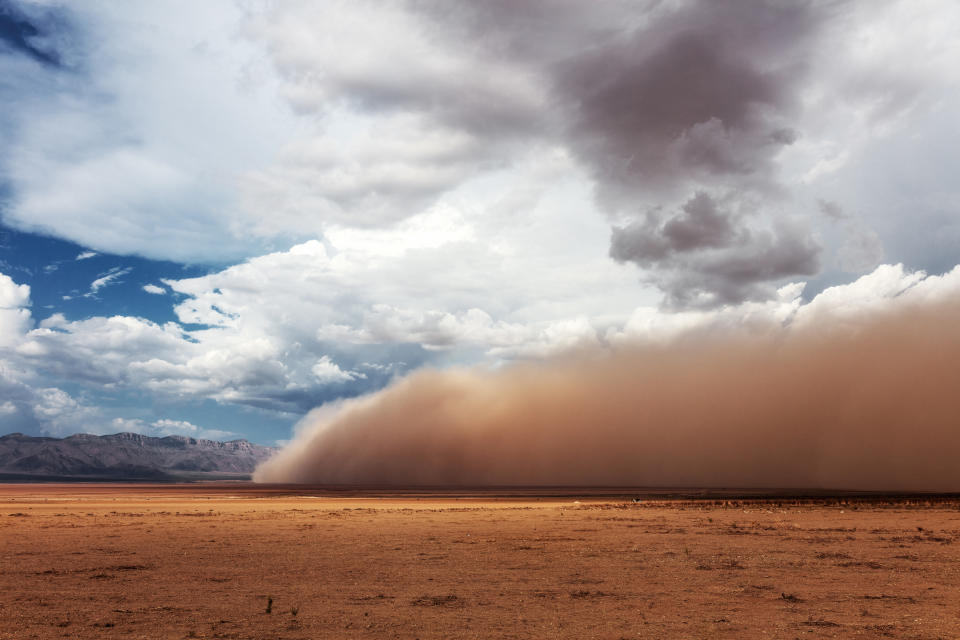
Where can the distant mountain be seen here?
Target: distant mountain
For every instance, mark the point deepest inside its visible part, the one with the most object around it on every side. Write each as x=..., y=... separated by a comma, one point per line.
x=126, y=456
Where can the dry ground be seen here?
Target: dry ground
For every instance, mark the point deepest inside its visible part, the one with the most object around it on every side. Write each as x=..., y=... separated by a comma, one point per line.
x=109, y=561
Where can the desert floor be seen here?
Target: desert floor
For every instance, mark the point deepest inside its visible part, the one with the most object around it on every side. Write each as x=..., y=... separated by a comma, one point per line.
x=242, y=561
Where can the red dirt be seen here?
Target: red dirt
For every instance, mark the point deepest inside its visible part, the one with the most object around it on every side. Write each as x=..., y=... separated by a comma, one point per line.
x=204, y=561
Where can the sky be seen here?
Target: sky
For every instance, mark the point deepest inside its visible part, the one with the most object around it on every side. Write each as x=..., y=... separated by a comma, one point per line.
x=218, y=217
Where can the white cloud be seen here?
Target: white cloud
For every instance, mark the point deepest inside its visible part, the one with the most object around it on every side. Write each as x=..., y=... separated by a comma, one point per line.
x=108, y=278
x=265, y=125
x=99, y=349
x=650, y=324
x=13, y=295
x=114, y=153
x=60, y=414
x=384, y=324
x=887, y=288
x=266, y=349
x=390, y=150
x=154, y=289
x=369, y=286
x=327, y=372
x=15, y=318
x=127, y=425
x=86, y=255
x=50, y=411
x=55, y=403
x=167, y=427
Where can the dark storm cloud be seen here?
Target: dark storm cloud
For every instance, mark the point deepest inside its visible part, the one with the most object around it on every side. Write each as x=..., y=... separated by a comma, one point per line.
x=706, y=255
x=659, y=102
x=535, y=32
x=650, y=94
x=699, y=100
x=20, y=34
x=666, y=102
x=644, y=118
x=832, y=210
x=444, y=72
x=700, y=224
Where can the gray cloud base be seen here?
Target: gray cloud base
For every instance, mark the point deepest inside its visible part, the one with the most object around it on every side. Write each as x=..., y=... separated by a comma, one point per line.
x=660, y=103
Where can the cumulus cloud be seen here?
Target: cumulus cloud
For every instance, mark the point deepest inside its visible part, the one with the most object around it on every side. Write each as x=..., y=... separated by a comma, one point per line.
x=655, y=104
x=327, y=371
x=57, y=407
x=30, y=407
x=249, y=356
x=113, y=154
x=368, y=288
x=813, y=404
x=705, y=255
x=154, y=289
x=167, y=427
x=13, y=295
x=433, y=329
x=391, y=147
x=392, y=168
x=701, y=94
x=660, y=104
x=15, y=317
x=702, y=99
x=97, y=351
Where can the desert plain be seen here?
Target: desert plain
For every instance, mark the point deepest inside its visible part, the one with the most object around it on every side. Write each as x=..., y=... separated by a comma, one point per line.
x=258, y=561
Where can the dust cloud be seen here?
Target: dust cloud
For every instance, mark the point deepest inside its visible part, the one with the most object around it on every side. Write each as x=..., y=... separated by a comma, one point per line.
x=871, y=405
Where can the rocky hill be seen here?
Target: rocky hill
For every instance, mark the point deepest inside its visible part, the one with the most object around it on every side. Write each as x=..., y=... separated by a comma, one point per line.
x=126, y=456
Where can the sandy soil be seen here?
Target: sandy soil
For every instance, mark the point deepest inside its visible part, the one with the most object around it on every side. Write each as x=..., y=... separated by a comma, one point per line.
x=231, y=561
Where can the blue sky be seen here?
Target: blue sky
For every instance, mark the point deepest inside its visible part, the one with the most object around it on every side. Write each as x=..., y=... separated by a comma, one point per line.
x=77, y=282
x=211, y=226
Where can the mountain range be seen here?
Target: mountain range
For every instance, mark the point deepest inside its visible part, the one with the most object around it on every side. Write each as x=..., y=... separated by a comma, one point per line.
x=126, y=456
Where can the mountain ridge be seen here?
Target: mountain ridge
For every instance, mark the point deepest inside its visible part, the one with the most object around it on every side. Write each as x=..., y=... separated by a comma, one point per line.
x=127, y=456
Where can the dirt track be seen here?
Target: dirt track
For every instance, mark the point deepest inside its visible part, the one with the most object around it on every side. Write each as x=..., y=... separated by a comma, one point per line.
x=108, y=561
